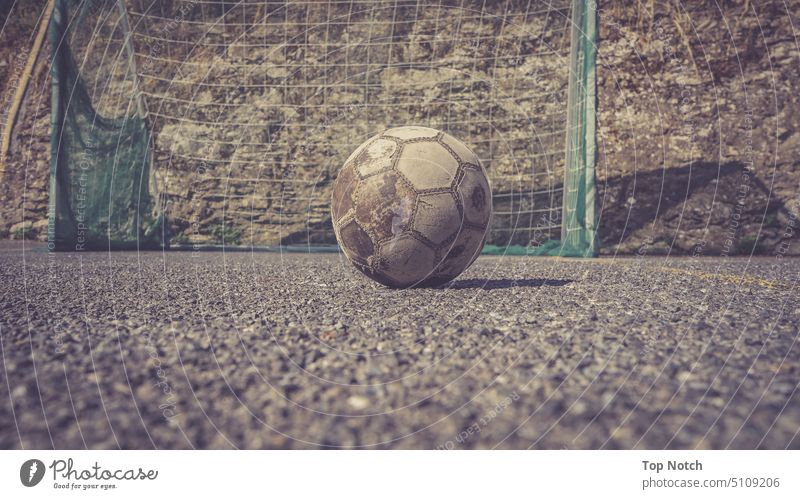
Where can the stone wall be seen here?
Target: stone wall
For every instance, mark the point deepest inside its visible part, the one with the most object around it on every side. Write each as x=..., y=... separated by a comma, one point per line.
x=254, y=123
x=699, y=130
x=24, y=176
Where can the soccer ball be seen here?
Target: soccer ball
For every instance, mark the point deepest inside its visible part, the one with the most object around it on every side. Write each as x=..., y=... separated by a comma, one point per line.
x=412, y=207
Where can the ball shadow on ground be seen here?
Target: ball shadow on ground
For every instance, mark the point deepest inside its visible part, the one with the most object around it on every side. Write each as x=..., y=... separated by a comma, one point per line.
x=490, y=284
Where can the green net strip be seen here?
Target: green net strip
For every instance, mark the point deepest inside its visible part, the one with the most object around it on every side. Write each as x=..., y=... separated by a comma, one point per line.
x=100, y=167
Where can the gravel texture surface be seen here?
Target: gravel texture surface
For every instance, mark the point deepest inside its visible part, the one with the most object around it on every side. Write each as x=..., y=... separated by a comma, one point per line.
x=213, y=350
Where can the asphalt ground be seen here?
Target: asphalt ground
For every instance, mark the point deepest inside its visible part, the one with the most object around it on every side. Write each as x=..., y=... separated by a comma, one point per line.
x=263, y=350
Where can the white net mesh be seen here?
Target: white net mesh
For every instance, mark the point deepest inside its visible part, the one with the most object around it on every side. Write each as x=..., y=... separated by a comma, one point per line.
x=255, y=105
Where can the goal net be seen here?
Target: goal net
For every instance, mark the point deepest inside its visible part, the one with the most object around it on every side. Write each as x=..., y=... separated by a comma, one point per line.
x=225, y=122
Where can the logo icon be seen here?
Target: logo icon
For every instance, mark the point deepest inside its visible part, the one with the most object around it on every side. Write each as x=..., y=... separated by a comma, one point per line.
x=31, y=472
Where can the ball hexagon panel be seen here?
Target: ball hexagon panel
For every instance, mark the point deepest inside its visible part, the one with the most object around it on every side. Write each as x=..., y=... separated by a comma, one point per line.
x=406, y=260
x=462, y=253
x=437, y=217
x=463, y=152
x=356, y=243
x=378, y=155
x=476, y=197
x=372, y=274
x=343, y=189
x=384, y=205
x=412, y=132
x=360, y=148
x=427, y=165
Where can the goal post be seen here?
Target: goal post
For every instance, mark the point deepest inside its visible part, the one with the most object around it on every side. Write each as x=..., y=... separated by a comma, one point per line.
x=219, y=123
x=579, y=228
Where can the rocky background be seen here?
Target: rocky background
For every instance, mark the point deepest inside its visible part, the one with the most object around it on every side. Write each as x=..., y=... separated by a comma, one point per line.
x=25, y=172
x=699, y=122
x=700, y=127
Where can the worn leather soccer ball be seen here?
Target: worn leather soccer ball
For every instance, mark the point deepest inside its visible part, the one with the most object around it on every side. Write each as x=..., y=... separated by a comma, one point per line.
x=412, y=207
